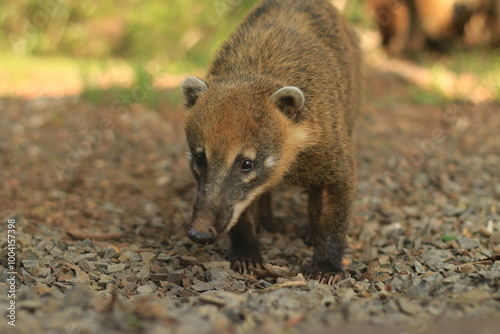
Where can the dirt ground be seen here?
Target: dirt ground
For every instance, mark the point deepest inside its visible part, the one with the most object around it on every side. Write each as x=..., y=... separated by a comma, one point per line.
x=101, y=198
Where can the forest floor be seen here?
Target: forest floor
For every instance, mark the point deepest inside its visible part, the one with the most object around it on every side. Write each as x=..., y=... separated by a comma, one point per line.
x=100, y=198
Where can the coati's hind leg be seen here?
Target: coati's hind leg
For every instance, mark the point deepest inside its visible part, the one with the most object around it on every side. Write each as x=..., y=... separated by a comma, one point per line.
x=245, y=248
x=329, y=212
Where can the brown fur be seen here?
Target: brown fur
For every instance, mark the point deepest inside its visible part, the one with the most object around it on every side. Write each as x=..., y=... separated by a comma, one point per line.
x=303, y=44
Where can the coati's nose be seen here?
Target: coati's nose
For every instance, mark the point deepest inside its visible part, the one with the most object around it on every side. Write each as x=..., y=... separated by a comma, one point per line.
x=204, y=237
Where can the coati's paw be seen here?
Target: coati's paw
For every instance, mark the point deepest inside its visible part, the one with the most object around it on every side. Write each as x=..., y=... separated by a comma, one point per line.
x=242, y=264
x=328, y=278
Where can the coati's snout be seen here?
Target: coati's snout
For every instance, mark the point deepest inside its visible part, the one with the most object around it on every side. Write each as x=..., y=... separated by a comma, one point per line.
x=210, y=214
x=202, y=228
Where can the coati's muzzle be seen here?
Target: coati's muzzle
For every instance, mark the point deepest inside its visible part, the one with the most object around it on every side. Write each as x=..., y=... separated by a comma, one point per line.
x=202, y=229
x=211, y=215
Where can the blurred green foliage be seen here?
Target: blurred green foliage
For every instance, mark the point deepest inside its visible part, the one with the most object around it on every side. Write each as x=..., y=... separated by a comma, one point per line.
x=172, y=31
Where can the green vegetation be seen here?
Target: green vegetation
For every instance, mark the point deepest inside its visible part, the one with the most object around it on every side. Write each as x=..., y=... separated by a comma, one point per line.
x=173, y=32
x=109, y=49
x=140, y=89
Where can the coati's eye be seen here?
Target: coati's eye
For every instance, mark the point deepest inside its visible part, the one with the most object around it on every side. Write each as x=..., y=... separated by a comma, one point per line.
x=247, y=165
x=200, y=159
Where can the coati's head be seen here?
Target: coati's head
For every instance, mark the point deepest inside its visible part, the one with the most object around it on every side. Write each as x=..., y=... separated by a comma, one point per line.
x=243, y=135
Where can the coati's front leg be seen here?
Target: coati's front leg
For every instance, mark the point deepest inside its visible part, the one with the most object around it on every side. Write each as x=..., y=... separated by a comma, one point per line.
x=329, y=212
x=245, y=248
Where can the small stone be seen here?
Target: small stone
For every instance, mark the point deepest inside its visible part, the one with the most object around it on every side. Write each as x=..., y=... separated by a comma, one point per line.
x=86, y=256
x=188, y=261
x=32, y=266
x=420, y=289
x=485, y=232
x=29, y=254
x=380, y=286
x=218, y=284
x=348, y=283
x=148, y=288
x=495, y=239
x=239, y=286
x=44, y=271
x=186, y=282
x=147, y=257
x=450, y=267
x=157, y=269
x=159, y=277
x=409, y=307
x=175, y=278
x=467, y=268
x=87, y=266
x=112, y=252
x=368, y=275
x=77, y=296
x=42, y=289
x=467, y=243
x=384, y=259
x=452, y=279
x=104, y=280
x=216, y=273
x=101, y=266
x=397, y=284
x=347, y=295
x=31, y=305
x=115, y=268
x=62, y=287
x=216, y=264
x=143, y=273
x=419, y=268
x=383, y=277
x=383, y=270
x=57, y=194
x=187, y=293
x=474, y=296
x=163, y=257
x=356, y=265
x=129, y=256
x=173, y=289
x=434, y=258
x=199, y=286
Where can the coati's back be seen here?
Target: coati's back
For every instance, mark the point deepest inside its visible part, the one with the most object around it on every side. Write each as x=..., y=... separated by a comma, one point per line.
x=270, y=44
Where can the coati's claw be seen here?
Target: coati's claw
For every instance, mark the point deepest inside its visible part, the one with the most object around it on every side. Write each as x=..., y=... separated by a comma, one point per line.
x=242, y=265
x=326, y=278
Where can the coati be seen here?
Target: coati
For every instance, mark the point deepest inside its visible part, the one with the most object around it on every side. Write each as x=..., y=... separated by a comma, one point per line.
x=410, y=25
x=278, y=104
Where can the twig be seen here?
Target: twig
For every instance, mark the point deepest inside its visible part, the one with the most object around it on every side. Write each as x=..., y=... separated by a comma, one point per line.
x=282, y=285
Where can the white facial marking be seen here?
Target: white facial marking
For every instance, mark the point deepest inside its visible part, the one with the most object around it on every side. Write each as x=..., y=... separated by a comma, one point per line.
x=270, y=162
x=242, y=205
x=199, y=150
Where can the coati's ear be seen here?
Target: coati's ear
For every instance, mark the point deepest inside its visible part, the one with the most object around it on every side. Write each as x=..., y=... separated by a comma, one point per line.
x=192, y=88
x=289, y=99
